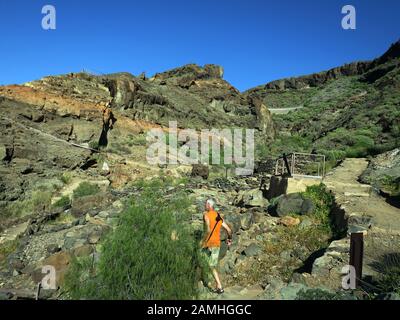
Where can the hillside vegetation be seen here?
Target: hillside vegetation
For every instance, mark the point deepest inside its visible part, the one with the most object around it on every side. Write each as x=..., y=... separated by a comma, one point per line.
x=352, y=113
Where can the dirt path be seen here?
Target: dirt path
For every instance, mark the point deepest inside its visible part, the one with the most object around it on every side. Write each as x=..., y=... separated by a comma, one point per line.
x=360, y=199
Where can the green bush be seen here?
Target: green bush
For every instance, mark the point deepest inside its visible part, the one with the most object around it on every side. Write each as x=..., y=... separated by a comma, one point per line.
x=319, y=294
x=324, y=203
x=63, y=202
x=85, y=189
x=66, y=177
x=152, y=253
x=137, y=140
x=40, y=200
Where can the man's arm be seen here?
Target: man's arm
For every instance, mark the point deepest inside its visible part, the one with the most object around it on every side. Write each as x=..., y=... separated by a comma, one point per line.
x=229, y=230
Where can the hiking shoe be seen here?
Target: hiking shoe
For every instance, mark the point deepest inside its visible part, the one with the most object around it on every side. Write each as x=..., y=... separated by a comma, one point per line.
x=219, y=291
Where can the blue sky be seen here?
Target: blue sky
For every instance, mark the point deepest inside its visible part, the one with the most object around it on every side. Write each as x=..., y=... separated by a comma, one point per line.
x=256, y=41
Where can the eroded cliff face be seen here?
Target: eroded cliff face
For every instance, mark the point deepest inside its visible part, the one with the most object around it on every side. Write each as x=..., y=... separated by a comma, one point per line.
x=55, y=124
x=321, y=78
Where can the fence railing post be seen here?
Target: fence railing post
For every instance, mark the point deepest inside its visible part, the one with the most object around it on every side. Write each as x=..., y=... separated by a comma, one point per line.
x=356, y=254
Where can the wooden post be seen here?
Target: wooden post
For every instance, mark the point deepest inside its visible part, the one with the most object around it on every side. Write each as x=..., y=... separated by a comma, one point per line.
x=293, y=162
x=286, y=164
x=356, y=254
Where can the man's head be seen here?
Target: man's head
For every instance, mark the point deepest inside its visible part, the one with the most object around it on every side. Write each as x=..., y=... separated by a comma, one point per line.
x=210, y=204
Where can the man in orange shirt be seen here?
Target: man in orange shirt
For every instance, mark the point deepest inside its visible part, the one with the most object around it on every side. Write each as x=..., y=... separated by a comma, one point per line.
x=212, y=241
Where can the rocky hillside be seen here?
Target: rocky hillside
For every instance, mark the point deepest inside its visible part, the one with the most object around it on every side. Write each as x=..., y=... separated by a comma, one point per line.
x=197, y=97
x=73, y=161
x=56, y=124
x=350, y=111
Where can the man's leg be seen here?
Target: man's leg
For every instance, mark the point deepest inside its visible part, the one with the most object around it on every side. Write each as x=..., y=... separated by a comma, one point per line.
x=216, y=277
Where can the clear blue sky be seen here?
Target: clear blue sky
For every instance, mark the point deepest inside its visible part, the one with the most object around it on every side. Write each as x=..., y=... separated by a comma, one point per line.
x=256, y=41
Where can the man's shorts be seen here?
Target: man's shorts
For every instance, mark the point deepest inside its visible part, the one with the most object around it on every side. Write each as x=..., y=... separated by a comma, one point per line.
x=211, y=255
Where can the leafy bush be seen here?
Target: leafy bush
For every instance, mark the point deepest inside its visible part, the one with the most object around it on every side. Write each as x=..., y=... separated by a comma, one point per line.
x=319, y=294
x=66, y=177
x=152, y=253
x=8, y=247
x=85, y=189
x=40, y=200
x=63, y=202
x=324, y=202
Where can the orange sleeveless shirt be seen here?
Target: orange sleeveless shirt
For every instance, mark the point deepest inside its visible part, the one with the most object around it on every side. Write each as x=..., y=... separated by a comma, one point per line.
x=215, y=239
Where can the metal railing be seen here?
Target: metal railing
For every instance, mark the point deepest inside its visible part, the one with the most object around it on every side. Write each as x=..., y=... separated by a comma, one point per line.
x=301, y=165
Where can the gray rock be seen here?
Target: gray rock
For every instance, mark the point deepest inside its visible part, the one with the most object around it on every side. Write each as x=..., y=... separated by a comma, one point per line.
x=71, y=243
x=383, y=173
x=94, y=237
x=305, y=223
x=363, y=221
x=286, y=255
x=53, y=248
x=200, y=170
x=290, y=292
x=355, y=229
x=293, y=203
x=307, y=207
x=250, y=198
x=234, y=221
x=252, y=250
x=246, y=220
x=104, y=214
x=6, y=296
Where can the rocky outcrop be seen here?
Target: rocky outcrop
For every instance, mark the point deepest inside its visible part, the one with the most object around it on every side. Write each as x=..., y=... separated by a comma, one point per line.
x=315, y=79
x=196, y=97
x=264, y=119
x=383, y=173
x=318, y=79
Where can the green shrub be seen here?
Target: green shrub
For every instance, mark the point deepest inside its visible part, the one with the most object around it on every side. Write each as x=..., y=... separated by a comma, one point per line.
x=140, y=259
x=324, y=202
x=137, y=140
x=94, y=145
x=119, y=148
x=85, y=189
x=63, y=202
x=319, y=294
x=66, y=177
x=40, y=200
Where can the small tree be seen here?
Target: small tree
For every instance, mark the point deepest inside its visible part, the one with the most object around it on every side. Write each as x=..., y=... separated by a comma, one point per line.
x=152, y=254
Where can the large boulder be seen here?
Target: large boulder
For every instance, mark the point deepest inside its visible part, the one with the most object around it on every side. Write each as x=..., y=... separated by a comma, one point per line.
x=250, y=198
x=200, y=170
x=252, y=249
x=294, y=203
